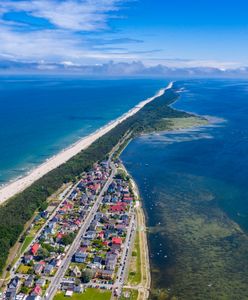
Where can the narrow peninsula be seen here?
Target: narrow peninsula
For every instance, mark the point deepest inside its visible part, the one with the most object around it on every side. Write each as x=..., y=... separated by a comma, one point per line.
x=75, y=225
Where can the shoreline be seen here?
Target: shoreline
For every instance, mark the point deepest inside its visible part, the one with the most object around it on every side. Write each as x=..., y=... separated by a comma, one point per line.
x=145, y=268
x=17, y=186
x=145, y=286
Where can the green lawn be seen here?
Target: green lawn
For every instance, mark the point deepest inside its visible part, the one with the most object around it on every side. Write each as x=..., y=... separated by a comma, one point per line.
x=26, y=243
x=89, y=294
x=134, y=275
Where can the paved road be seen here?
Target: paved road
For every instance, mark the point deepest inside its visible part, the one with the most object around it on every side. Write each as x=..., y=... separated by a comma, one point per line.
x=55, y=282
x=121, y=273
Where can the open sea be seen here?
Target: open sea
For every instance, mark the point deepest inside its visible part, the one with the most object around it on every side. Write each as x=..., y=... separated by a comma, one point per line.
x=194, y=186
x=41, y=115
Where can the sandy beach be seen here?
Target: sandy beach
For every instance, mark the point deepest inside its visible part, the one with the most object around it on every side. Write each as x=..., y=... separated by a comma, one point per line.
x=19, y=185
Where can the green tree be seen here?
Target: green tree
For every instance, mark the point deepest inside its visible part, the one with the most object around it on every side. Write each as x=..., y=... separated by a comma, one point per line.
x=87, y=275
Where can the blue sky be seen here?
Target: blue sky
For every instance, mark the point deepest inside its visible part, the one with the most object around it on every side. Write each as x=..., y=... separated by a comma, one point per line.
x=177, y=33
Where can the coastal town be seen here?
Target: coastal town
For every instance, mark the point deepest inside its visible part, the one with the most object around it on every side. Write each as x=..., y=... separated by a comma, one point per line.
x=83, y=239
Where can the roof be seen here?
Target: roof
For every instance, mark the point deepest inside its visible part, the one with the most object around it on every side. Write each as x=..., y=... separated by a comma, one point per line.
x=117, y=208
x=117, y=240
x=37, y=290
x=59, y=235
x=35, y=248
x=128, y=199
x=69, y=293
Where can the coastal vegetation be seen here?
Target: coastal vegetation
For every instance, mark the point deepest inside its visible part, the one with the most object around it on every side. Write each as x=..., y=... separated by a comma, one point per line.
x=129, y=294
x=19, y=209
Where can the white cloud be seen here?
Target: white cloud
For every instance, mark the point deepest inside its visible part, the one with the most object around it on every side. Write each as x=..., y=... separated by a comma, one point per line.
x=53, y=46
x=66, y=38
x=79, y=15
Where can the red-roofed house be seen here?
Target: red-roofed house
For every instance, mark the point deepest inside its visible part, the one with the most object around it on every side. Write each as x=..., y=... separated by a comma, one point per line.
x=127, y=199
x=116, y=240
x=117, y=208
x=77, y=222
x=101, y=235
x=35, y=248
x=59, y=237
x=37, y=291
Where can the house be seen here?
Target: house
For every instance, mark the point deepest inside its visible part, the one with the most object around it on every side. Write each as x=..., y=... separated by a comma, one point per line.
x=68, y=293
x=93, y=225
x=78, y=288
x=117, y=208
x=29, y=281
x=35, y=248
x=38, y=268
x=41, y=282
x=86, y=243
x=116, y=241
x=67, y=284
x=110, y=264
x=14, y=283
x=59, y=237
x=12, y=289
x=105, y=274
x=106, y=199
x=10, y=294
x=90, y=234
x=37, y=291
x=33, y=298
x=76, y=272
x=114, y=200
x=101, y=235
x=111, y=260
x=44, y=214
x=55, y=219
x=80, y=256
x=127, y=199
x=27, y=259
x=73, y=195
x=77, y=222
x=48, y=269
x=124, y=218
x=97, y=259
x=115, y=247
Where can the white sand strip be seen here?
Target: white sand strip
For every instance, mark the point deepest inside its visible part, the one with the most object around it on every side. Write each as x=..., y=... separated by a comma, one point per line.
x=21, y=184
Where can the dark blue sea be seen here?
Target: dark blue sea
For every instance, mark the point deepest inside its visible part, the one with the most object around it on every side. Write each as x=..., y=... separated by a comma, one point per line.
x=194, y=186
x=39, y=116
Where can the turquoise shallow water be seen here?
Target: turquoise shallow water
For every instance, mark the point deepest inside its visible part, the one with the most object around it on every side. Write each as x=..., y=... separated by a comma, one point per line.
x=39, y=116
x=207, y=168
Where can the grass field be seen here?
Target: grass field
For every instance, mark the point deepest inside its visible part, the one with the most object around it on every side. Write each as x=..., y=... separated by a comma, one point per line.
x=134, y=275
x=89, y=294
x=26, y=243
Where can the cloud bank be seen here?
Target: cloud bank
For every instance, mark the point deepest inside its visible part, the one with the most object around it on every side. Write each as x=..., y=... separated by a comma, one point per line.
x=112, y=69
